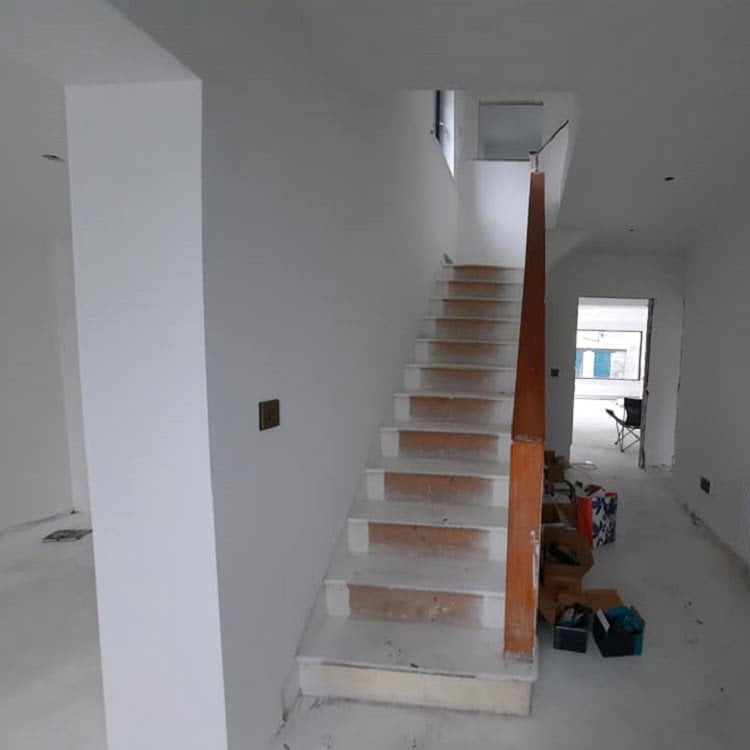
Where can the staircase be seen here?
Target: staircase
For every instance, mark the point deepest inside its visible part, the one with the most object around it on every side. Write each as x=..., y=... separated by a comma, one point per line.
x=412, y=609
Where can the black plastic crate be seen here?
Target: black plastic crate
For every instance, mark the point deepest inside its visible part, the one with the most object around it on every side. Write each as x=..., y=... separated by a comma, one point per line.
x=568, y=637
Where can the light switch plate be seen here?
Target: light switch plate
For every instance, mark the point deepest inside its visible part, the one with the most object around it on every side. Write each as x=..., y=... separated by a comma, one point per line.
x=269, y=414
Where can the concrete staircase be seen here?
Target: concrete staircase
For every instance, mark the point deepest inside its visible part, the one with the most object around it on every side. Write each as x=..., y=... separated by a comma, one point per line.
x=413, y=606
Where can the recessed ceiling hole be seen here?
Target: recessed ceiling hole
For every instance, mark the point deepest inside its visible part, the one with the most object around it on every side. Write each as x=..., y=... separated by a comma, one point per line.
x=668, y=179
x=52, y=157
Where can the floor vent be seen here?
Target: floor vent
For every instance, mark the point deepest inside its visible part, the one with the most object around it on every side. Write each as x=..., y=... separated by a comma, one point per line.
x=66, y=535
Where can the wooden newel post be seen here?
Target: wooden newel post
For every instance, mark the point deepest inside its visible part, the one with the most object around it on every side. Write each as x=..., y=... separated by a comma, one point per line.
x=527, y=447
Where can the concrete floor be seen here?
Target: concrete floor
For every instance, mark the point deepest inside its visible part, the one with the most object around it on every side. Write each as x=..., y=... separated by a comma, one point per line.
x=50, y=675
x=687, y=691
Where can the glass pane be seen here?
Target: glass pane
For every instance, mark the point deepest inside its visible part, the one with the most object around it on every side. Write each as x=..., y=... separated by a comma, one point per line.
x=602, y=360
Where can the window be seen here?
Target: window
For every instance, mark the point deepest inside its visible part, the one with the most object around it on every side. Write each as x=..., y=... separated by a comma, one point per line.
x=437, y=123
x=443, y=125
x=608, y=355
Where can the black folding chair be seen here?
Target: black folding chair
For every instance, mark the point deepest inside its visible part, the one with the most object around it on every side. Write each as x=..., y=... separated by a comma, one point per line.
x=628, y=429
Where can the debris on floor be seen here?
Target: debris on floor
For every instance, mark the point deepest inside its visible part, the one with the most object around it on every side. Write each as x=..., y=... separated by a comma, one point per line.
x=575, y=520
x=67, y=535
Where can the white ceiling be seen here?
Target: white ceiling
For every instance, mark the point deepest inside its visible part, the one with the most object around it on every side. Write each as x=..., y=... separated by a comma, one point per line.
x=44, y=45
x=663, y=85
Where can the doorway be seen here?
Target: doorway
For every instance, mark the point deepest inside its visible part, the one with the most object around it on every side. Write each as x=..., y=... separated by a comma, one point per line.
x=611, y=381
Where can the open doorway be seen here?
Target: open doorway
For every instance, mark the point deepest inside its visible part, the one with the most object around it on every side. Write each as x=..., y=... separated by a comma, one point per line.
x=611, y=380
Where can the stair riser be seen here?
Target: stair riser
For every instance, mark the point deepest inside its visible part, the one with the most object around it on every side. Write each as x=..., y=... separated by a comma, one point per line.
x=414, y=605
x=434, y=488
x=453, y=353
x=509, y=697
x=461, y=445
x=468, y=381
x=479, y=289
x=443, y=308
x=444, y=409
x=426, y=541
x=483, y=273
x=476, y=330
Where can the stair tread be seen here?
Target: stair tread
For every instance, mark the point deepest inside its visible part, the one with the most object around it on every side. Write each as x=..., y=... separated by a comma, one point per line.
x=426, y=393
x=472, y=318
x=455, y=574
x=482, y=517
x=482, y=342
x=413, y=647
x=500, y=282
x=482, y=265
x=460, y=366
x=456, y=427
x=474, y=299
x=442, y=467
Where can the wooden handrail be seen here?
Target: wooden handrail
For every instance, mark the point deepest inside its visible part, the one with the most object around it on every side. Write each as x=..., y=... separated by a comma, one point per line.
x=527, y=447
x=528, y=407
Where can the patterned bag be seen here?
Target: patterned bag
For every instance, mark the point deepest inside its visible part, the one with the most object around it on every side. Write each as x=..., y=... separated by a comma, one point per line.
x=596, y=511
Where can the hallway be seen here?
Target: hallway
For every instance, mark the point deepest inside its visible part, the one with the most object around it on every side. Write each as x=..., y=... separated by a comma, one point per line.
x=687, y=691
x=690, y=683
x=594, y=437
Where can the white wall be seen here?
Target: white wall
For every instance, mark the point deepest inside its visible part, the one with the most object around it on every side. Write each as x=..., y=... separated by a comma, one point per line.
x=326, y=214
x=493, y=211
x=35, y=476
x=318, y=266
x=46, y=44
x=135, y=173
x=614, y=315
x=34, y=469
x=601, y=275
x=713, y=406
x=493, y=196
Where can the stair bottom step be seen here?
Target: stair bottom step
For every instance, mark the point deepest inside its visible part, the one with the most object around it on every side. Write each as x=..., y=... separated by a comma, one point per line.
x=413, y=664
x=378, y=685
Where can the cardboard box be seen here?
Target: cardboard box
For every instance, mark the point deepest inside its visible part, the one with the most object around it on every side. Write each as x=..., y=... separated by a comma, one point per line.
x=566, y=489
x=558, y=511
x=550, y=513
x=612, y=642
x=555, y=473
x=552, y=605
x=556, y=576
x=568, y=515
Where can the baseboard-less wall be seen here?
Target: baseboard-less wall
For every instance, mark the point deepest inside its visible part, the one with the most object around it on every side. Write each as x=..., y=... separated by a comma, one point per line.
x=35, y=480
x=713, y=408
x=590, y=274
x=34, y=466
x=320, y=252
x=136, y=219
x=326, y=215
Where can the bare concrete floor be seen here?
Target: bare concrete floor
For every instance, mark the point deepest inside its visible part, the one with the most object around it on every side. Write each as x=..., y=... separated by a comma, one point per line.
x=50, y=674
x=688, y=690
